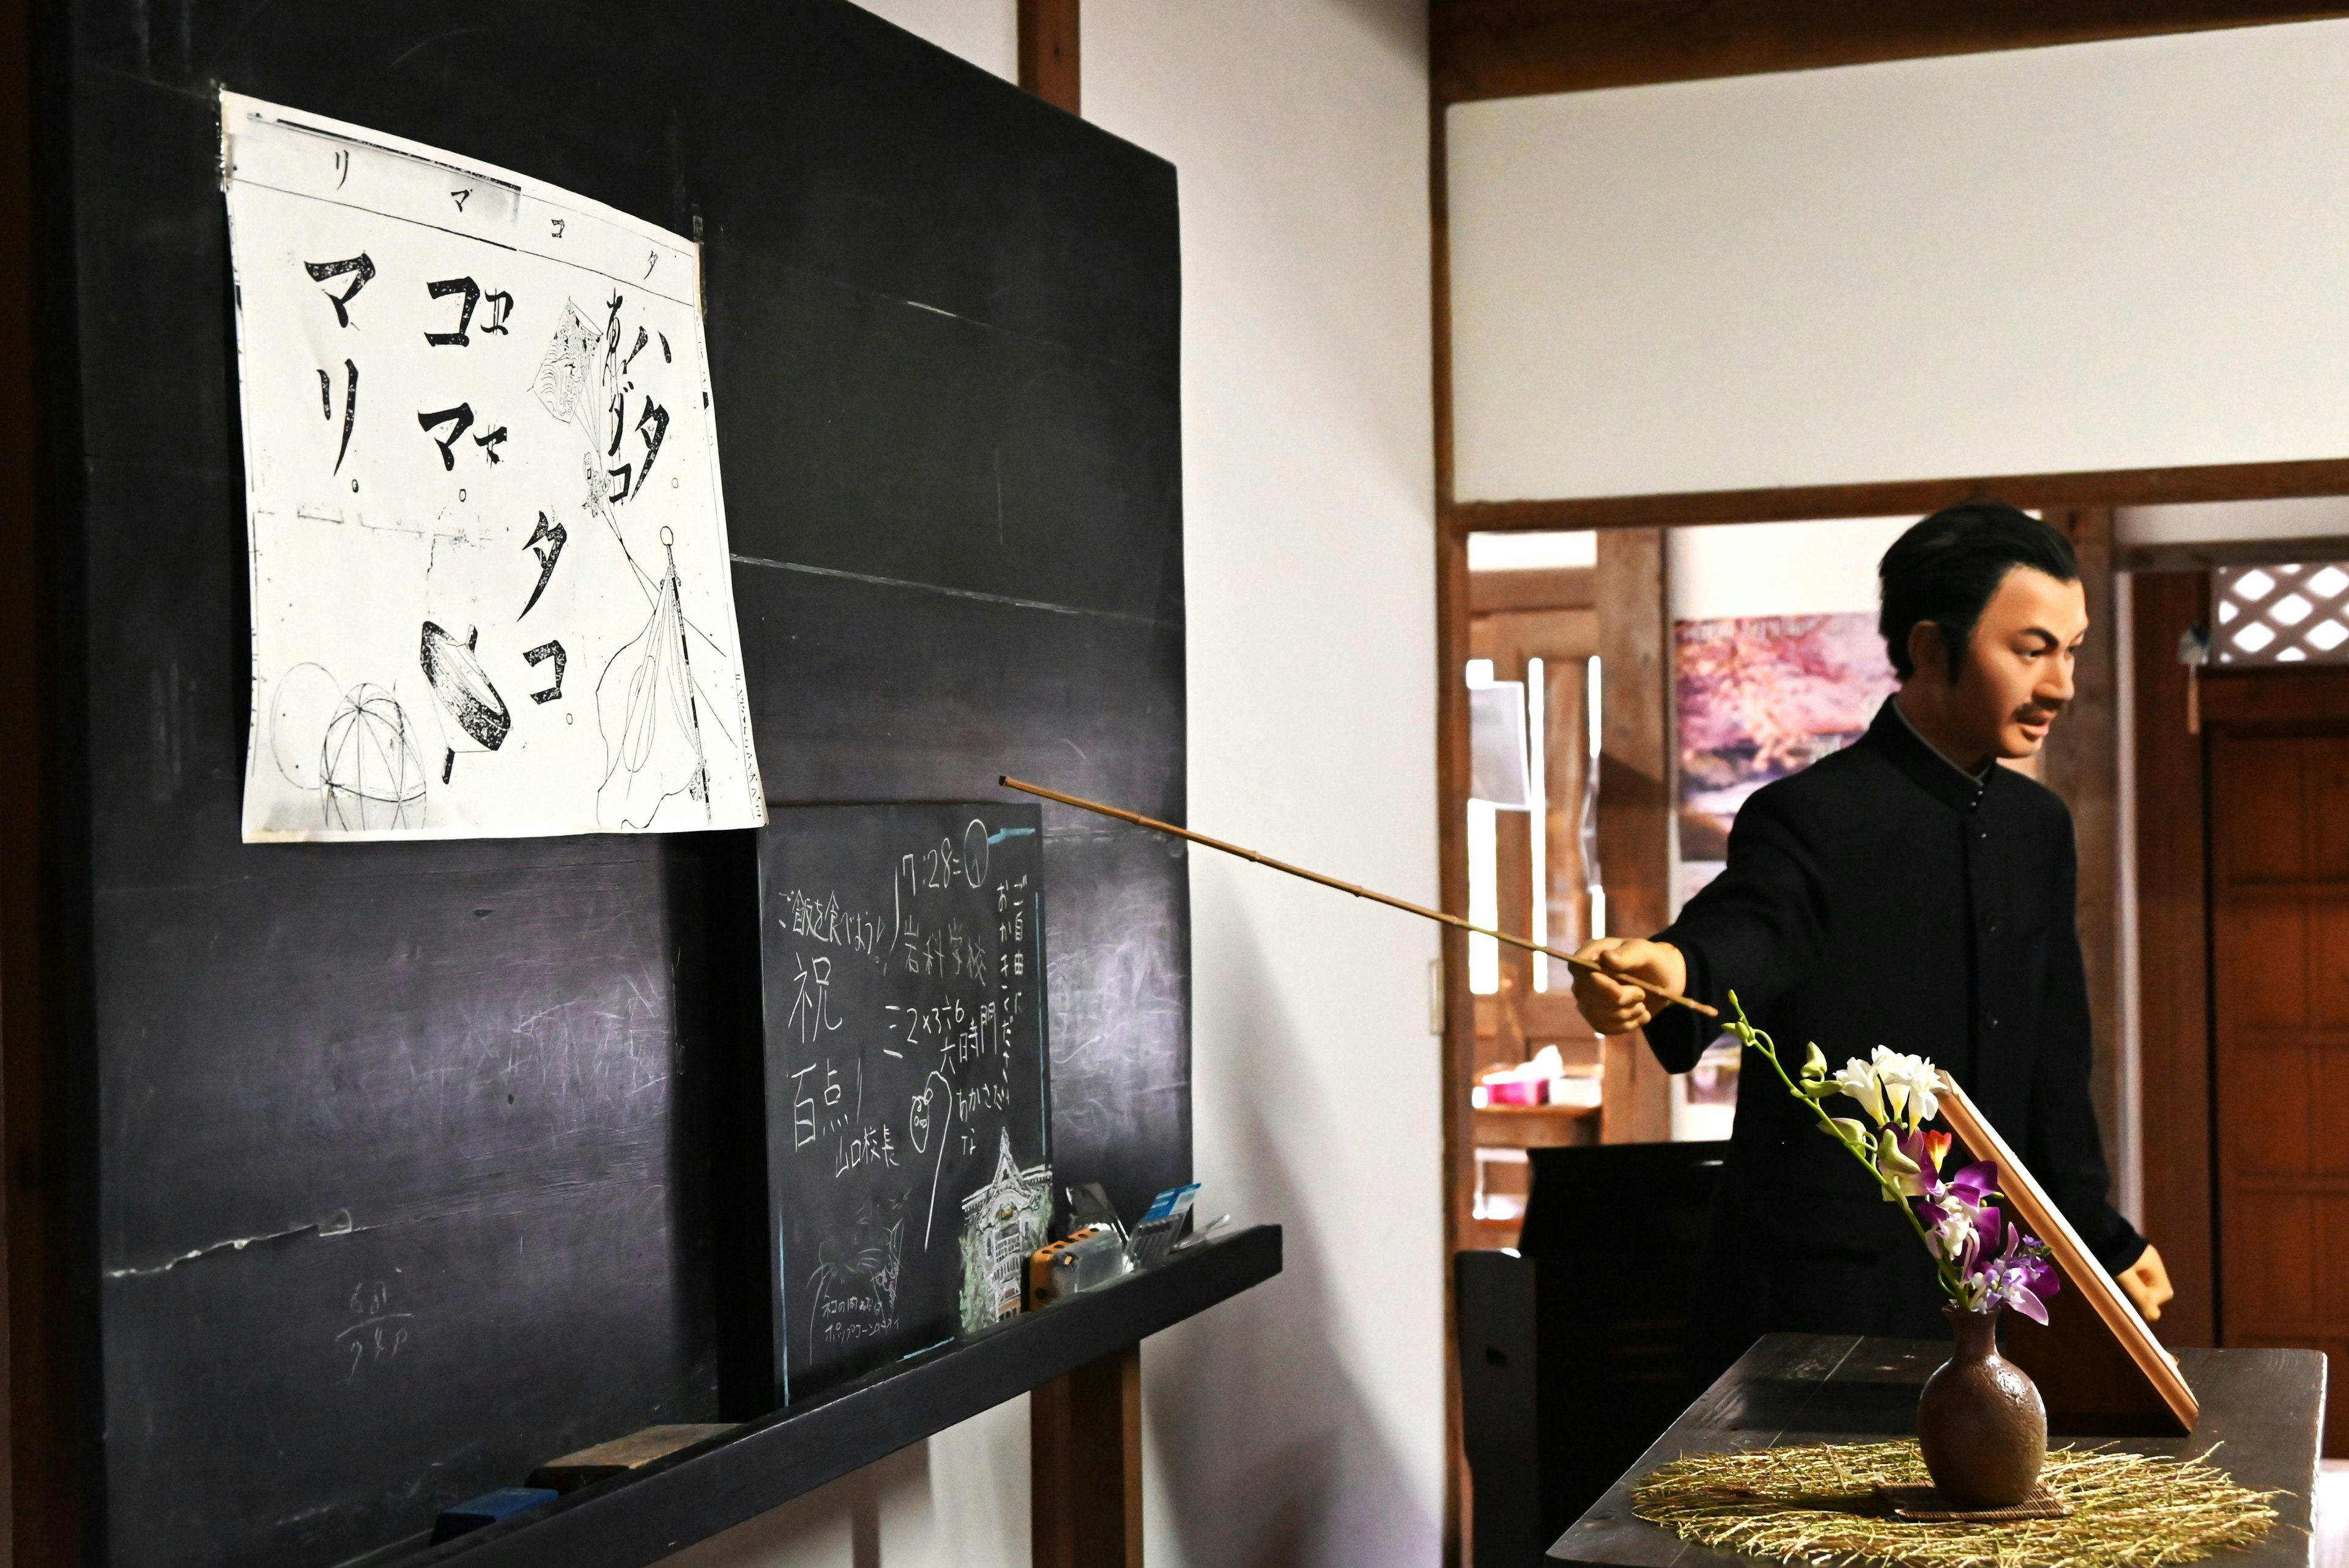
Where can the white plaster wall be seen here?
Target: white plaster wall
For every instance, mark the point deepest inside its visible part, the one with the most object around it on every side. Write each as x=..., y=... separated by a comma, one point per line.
x=1777, y=568
x=2104, y=255
x=1302, y=1423
x=984, y=32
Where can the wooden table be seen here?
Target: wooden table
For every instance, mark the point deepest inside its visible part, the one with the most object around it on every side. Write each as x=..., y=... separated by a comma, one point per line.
x=2265, y=1406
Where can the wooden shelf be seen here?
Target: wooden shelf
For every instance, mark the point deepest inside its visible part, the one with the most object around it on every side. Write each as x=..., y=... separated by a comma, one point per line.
x=1534, y=1126
x=639, y=1518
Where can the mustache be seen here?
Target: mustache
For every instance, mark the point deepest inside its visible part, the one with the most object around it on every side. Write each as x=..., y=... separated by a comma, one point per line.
x=2039, y=712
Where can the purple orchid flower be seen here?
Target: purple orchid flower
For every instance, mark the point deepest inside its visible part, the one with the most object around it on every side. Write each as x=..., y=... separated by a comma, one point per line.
x=1926, y=1150
x=1976, y=1183
x=2019, y=1277
x=1960, y=1223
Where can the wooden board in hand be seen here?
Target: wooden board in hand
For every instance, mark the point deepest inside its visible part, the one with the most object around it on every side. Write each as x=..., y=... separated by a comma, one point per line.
x=907, y=1093
x=2110, y=1366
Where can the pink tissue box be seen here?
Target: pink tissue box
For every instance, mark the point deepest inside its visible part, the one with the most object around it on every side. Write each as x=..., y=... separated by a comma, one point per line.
x=1514, y=1091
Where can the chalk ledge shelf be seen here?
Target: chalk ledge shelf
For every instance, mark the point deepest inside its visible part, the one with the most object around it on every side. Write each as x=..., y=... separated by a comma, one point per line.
x=646, y=1514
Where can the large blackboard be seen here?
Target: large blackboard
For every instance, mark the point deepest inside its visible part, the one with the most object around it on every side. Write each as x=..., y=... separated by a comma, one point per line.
x=452, y=1103
x=908, y=1116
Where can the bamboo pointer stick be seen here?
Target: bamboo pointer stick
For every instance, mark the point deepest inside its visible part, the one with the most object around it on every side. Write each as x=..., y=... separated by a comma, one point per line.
x=1406, y=906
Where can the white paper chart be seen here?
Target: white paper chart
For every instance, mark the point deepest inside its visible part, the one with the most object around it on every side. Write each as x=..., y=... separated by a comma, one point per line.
x=490, y=587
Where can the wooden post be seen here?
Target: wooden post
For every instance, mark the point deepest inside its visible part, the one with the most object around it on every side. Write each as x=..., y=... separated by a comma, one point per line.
x=1635, y=726
x=1514, y=889
x=1085, y=1466
x=2082, y=764
x=2173, y=943
x=1047, y=52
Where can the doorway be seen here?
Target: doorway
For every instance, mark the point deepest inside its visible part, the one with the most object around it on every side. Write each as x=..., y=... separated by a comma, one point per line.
x=2244, y=765
x=1535, y=682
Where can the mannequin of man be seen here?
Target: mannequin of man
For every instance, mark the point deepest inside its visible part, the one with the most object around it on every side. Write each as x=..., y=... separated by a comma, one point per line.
x=1905, y=892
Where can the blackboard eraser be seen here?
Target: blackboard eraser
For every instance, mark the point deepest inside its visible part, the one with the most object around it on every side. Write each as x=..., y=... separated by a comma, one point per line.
x=621, y=1455
x=489, y=1508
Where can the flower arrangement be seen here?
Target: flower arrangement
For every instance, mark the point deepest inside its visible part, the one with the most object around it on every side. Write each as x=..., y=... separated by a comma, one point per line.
x=1955, y=1219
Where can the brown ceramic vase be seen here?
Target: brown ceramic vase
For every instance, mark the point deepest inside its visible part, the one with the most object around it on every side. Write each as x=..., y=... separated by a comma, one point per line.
x=1980, y=1422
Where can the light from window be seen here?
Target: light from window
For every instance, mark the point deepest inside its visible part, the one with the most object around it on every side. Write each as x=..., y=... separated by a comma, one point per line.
x=1484, y=873
x=2296, y=613
x=1532, y=551
x=1537, y=716
x=1590, y=814
x=1483, y=898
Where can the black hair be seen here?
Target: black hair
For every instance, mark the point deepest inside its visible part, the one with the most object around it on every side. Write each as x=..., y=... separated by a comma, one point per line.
x=1946, y=567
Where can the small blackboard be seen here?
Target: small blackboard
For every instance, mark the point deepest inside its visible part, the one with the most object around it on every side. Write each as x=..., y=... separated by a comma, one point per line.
x=908, y=1113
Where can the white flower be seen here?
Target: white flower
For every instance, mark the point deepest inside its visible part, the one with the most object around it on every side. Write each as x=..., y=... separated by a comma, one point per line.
x=1953, y=1228
x=1909, y=1083
x=1860, y=1082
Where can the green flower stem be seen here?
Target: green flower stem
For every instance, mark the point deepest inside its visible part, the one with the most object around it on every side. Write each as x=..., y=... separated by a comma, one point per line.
x=1767, y=1048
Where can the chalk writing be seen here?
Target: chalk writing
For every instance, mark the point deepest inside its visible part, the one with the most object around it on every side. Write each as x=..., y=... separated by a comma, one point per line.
x=907, y=1065
x=379, y=1335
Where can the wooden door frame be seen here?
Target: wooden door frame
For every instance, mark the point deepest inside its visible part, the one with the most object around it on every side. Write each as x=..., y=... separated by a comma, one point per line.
x=2174, y=1038
x=1514, y=48
x=1551, y=46
x=2082, y=503
x=2177, y=1031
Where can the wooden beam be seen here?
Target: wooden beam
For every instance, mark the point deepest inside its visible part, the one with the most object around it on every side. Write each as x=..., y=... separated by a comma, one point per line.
x=1635, y=807
x=2173, y=948
x=1907, y=498
x=1047, y=52
x=1559, y=588
x=1085, y=1434
x=1452, y=635
x=2082, y=764
x=1084, y=1468
x=1514, y=48
x=2202, y=554
x=1453, y=624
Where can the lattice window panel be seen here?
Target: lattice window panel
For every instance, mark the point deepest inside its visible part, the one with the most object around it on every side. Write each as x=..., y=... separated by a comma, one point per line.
x=2282, y=615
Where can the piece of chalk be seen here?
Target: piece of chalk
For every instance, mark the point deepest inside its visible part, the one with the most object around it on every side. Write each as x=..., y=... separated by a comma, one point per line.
x=487, y=1510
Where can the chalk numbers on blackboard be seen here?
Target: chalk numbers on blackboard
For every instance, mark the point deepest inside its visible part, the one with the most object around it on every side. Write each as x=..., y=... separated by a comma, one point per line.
x=379, y=1334
x=941, y=867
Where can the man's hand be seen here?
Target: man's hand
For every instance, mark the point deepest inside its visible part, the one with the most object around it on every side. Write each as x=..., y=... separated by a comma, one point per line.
x=2147, y=1282
x=1610, y=1006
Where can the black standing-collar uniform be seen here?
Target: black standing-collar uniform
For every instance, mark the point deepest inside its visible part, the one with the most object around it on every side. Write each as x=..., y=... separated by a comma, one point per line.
x=1883, y=896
